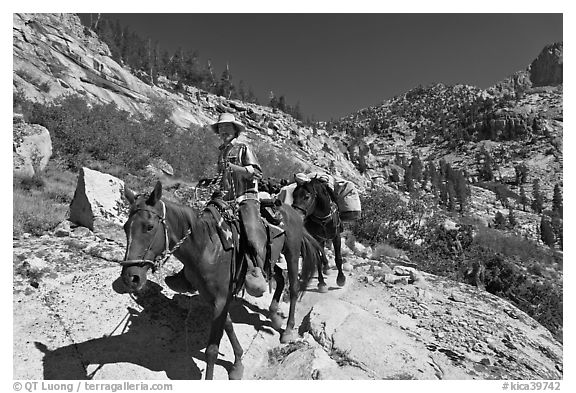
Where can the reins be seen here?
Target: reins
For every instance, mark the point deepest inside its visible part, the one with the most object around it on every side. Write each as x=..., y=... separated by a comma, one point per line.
x=159, y=260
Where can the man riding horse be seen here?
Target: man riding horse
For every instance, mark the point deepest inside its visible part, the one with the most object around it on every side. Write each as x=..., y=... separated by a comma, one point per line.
x=239, y=171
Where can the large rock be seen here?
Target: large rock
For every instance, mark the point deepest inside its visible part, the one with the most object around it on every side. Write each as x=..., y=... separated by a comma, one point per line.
x=32, y=148
x=300, y=360
x=159, y=167
x=382, y=350
x=546, y=70
x=98, y=204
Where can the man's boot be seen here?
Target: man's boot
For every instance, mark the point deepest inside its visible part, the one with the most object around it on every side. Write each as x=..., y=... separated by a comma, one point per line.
x=179, y=283
x=255, y=283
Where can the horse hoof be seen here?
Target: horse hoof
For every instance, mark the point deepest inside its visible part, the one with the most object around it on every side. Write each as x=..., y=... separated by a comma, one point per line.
x=287, y=336
x=341, y=280
x=236, y=372
x=276, y=321
x=322, y=288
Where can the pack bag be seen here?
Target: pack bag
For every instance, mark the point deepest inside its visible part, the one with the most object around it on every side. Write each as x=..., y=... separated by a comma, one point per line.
x=348, y=200
x=347, y=196
x=285, y=194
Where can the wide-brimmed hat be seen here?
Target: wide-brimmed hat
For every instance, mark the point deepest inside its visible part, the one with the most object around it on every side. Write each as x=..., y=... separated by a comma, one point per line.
x=228, y=118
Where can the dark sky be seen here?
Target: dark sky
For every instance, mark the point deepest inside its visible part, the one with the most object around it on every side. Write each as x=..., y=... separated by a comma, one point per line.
x=335, y=64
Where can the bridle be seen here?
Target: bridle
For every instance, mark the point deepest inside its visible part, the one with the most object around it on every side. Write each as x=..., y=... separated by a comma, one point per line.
x=160, y=259
x=320, y=220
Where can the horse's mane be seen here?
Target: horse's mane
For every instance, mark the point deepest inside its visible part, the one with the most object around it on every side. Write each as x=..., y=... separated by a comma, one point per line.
x=186, y=217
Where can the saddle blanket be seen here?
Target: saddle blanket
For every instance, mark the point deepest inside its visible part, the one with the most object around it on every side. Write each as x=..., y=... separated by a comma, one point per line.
x=227, y=232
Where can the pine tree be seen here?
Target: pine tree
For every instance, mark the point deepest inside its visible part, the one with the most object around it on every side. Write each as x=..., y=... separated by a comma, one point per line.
x=297, y=113
x=282, y=103
x=451, y=196
x=486, y=171
x=251, y=96
x=523, y=198
x=499, y=221
x=546, y=232
x=512, y=217
x=443, y=190
x=521, y=171
x=164, y=63
x=537, y=198
x=434, y=178
x=462, y=190
x=409, y=179
x=416, y=165
x=225, y=88
x=443, y=169
x=157, y=63
x=241, y=91
x=273, y=103
x=174, y=67
x=557, y=226
x=557, y=204
x=191, y=73
x=394, y=175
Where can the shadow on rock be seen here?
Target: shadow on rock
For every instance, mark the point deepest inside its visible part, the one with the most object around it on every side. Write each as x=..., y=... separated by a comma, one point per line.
x=166, y=335
x=240, y=315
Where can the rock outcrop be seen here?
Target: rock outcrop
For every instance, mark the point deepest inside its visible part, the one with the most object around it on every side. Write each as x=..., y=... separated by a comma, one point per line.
x=32, y=148
x=70, y=324
x=546, y=69
x=98, y=204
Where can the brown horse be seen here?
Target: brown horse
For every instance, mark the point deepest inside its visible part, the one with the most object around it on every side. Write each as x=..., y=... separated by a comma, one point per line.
x=155, y=225
x=318, y=204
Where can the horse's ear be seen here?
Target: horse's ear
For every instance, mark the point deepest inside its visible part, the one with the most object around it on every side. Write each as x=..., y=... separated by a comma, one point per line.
x=155, y=195
x=129, y=195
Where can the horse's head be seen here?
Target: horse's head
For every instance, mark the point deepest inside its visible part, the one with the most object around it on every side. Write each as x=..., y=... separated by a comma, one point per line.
x=145, y=236
x=312, y=196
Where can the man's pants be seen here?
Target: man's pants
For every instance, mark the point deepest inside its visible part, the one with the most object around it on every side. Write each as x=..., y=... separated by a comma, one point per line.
x=253, y=232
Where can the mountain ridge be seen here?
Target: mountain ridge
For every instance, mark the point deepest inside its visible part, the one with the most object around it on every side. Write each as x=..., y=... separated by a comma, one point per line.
x=54, y=55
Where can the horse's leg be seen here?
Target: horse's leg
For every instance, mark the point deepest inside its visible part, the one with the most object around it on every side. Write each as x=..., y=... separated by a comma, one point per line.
x=237, y=369
x=216, y=331
x=325, y=267
x=292, y=262
x=275, y=319
x=337, y=242
x=322, y=287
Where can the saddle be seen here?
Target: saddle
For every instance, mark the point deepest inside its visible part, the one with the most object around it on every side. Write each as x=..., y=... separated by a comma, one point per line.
x=227, y=223
x=269, y=210
x=228, y=229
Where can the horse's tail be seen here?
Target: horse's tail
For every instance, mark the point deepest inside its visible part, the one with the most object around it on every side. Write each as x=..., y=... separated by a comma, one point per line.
x=313, y=256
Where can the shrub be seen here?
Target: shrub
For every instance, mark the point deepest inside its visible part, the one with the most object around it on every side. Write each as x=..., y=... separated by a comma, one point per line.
x=41, y=202
x=501, y=190
x=194, y=153
x=34, y=213
x=385, y=250
x=442, y=251
x=382, y=215
x=276, y=163
x=541, y=300
x=512, y=246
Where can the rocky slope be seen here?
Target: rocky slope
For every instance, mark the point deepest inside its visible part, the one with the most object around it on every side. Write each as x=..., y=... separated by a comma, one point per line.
x=55, y=55
x=72, y=321
x=517, y=121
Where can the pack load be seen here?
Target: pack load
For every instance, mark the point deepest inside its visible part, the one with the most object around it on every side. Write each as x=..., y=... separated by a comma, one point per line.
x=348, y=200
x=285, y=194
x=347, y=196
